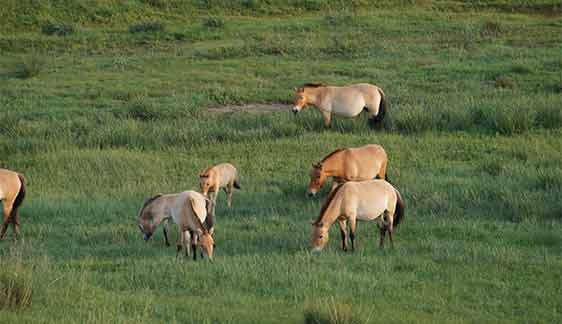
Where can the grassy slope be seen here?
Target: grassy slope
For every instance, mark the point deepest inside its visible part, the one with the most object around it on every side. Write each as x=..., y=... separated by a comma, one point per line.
x=113, y=117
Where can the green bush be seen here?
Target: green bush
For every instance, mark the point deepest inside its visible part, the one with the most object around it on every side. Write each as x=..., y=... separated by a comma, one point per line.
x=514, y=120
x=332, y=312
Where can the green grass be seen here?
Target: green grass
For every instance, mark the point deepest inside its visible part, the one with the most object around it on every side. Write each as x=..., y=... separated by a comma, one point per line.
x=110, y=117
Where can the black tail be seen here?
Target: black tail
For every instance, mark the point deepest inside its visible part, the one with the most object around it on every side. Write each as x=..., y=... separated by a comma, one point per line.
x=377, y=120
x=386, y=178
x=210, y=219
x=19, y=198
x=237, y=184
x=399, y=211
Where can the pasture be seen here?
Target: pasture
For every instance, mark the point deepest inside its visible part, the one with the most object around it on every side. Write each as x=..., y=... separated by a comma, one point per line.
x=104, y=105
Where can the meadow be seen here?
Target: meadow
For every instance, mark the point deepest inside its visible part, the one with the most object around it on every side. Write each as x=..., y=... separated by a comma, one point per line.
x=105, y=103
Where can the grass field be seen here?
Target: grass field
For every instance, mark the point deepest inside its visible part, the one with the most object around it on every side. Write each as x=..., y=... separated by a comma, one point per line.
x=103, y=105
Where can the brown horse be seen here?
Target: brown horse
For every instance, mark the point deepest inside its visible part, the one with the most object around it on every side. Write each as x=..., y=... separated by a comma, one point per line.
x=12, y=193
x=367, y=200
x=348, y=101
x=349, y=164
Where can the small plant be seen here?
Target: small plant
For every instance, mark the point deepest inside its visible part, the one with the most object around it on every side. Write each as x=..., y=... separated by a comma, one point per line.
x=504, y=81
x=147, y=27
x=213, y=22
x=58, y=29
x=549, y=179
x=142, y=111
x=31, y=66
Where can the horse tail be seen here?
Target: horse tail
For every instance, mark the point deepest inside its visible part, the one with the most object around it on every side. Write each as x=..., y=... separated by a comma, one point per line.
x=19, y=198
x=382, y=108
x=210, y=219
x=399, y=210
x=237, y=183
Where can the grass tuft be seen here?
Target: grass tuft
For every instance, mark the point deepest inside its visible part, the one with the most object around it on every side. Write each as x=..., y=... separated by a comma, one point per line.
x=15, y=285
x=147, y=27
x=504, y=81
x=31, y=66
x=332, y=312
x=57, y=29
x=214, y=22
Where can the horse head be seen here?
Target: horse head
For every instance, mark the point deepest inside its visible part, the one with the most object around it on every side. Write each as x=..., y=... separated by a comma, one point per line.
x=300, y=100
x=206, y=243
x=319, y=236
x=205, y=182
x=317, y=179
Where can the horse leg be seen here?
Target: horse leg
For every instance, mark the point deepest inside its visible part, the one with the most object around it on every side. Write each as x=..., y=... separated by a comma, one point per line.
x=186, y=240
x=352, y=227
x=16, y=222
x=194, y=240
x=6, y=221
x=180, y=241
x=391, y=234
x=343, y=229
x=382, y=233
x=228, y=190
x=165, y=229
x=213, y=197
x=327, y=119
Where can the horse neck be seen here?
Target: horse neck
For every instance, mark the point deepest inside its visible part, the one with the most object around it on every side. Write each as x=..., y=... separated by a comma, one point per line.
x=315, y=95
x=332, y=212
x=333, y=166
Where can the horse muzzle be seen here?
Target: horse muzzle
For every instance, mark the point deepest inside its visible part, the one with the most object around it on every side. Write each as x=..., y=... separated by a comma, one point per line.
x=147, y=236
x=310, y=194
x=296, y=109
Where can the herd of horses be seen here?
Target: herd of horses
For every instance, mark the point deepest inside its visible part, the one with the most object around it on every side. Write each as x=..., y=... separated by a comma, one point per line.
x=360, y=187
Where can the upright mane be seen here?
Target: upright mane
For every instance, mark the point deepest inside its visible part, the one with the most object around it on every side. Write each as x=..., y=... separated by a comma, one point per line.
x=205, y=173
x=148, y=201
x=310, y=85
x=327, y=202
x=330, y=155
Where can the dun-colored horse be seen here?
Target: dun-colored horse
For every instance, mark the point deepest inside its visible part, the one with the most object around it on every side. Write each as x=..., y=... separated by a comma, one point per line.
x=192, y=213
x=212, y=179
x=349, y=164
x=12, y=193
x=367, y=200
x=348, y=101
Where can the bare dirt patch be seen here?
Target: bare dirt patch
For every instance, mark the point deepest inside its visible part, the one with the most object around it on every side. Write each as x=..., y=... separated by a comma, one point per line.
x=250, y=108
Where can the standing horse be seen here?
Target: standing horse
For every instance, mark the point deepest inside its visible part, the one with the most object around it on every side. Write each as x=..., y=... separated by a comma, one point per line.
x=213, y=178
x=192, y=213
x=349, y=164
x=12, y=193
x=367, y=200
x=346, y=101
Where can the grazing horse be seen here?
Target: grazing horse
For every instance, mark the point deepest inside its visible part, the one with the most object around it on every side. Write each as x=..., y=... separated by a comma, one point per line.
x=349, y=164
x=192, y=213
x=213, y=178
x=12, y=193
x=367, y=200
x=346, y=101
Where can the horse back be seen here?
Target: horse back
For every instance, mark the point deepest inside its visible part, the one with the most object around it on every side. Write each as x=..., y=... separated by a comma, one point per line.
x=365, y=162
x=10, y=184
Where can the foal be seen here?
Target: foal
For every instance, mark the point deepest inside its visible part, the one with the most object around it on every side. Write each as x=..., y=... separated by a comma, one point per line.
x=223, y=175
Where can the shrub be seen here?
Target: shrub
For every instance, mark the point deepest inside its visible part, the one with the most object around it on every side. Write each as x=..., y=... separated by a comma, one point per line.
x=549, y=179
x=213, y=22
x=549, y=116
x=491, y=28
x=142, y=111
x=147, y=27
x=31, y=66
x=58, y=29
